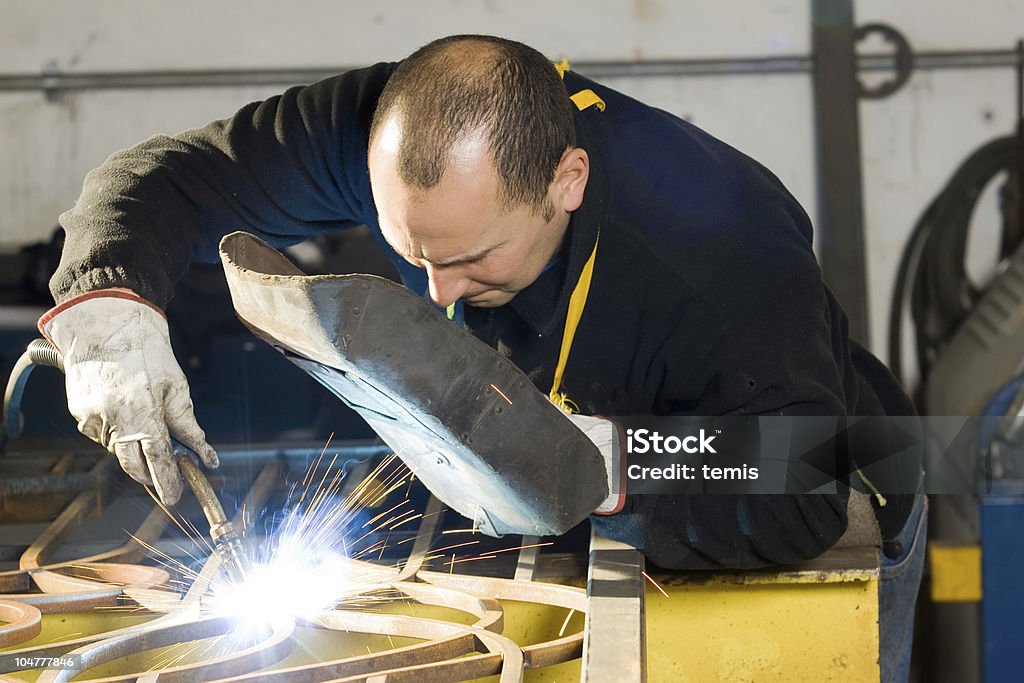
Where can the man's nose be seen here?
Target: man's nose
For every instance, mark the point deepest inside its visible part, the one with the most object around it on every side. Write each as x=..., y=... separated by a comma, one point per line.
x=446, y=286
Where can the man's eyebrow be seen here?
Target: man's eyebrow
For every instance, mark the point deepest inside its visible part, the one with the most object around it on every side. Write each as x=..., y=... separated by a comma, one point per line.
x=463, y=260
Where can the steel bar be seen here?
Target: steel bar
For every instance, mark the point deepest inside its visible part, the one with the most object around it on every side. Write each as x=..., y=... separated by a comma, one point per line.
x=526, y=565
x=24, y=622
x=47, y=483
x=840, y=224
x=69, y=519
x=148, y=532
x=63, y=593
x=58, y=603
x=16, y=580
x=510, y=589
x=487, y=610
x=55, y=80
x=615, y=644
x=418, y=662
x=541, y=654
x=538, y=655
x=511, y=656
x=104, y=573
x=273, y=648
x=424, y=538
x=455, y=645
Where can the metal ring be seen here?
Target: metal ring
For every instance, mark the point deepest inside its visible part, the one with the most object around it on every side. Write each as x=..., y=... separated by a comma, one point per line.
x=903, y=60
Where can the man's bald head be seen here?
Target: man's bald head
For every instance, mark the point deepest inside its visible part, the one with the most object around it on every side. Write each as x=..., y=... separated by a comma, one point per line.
x=464, y=87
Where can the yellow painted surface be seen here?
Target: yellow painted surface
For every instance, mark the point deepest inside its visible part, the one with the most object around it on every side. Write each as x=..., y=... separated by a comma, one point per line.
x=776, y=631
x=956, y=572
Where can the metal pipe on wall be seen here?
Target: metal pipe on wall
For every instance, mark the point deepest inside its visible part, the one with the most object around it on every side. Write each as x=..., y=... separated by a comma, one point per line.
x=52, y=79
x=840, y=224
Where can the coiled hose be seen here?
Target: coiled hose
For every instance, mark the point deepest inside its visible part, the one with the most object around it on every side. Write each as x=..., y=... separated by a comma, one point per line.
x=933, y=262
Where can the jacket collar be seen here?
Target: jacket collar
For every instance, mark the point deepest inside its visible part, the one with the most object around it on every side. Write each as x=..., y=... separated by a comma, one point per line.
x=543, y=304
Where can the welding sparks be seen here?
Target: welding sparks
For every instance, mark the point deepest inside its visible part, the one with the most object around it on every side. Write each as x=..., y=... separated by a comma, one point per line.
x=565, y=624
x=654, y=583
x=324, y=551
x=502, y=394
x=306, y=565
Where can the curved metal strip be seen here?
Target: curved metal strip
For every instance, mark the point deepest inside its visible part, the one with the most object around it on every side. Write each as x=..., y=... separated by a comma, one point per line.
x=539, y=654
x=150, y=530
x=272, y=649
x=446, y=641
x=488, y=612
x=58, y=603
x=430, y=629
x=107, y=574
x=63, y=593
x=464, y=669
x=69, y=518
x=24, y=622
x=410, y=655
x=509, y=589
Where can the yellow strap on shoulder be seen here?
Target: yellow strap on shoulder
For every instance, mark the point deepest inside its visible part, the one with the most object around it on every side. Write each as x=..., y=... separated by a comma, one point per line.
x=562, y=67
x=584, y=98
x=577, y=302
x=587, y=98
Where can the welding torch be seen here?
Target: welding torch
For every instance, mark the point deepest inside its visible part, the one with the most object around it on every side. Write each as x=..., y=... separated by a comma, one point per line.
x=226, y=541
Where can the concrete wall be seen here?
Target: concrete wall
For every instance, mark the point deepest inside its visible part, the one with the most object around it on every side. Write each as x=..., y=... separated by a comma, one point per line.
x=911, y=142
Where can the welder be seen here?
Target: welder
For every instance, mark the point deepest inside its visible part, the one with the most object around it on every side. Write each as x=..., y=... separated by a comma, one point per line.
x=507, y=191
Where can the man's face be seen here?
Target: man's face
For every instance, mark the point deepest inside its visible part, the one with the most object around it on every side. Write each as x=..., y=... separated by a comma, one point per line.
x=471, y=247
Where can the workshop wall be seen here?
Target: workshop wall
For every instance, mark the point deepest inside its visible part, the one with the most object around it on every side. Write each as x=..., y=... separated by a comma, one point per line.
x=911, y=141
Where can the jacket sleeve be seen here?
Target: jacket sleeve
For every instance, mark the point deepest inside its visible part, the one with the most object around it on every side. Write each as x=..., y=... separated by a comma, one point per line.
x=285, y=168
x=775, y=357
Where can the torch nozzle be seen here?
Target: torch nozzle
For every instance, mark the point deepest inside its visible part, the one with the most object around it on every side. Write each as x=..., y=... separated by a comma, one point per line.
x=226, y=541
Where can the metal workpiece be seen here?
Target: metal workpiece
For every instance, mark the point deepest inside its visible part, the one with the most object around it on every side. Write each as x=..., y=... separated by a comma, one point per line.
x=615, y=648
x=273, y=648
x=449, y=650
x=452, y=408
x=21, y=622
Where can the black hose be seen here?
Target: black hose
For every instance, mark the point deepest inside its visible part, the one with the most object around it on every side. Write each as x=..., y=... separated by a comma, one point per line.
x=933, y=261
x=39, y=352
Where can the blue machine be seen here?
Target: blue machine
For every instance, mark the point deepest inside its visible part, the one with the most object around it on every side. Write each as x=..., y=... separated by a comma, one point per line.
x=1002, y=518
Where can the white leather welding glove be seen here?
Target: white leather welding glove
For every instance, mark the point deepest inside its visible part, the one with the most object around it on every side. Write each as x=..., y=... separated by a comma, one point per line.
x=607, y=436
x=124, y=385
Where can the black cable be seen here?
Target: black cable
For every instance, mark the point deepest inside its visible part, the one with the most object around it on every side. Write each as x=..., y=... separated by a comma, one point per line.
x=933, y=261
x=39, y=352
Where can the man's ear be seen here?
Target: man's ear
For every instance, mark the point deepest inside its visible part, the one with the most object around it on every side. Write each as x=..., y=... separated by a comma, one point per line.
x=571, y=178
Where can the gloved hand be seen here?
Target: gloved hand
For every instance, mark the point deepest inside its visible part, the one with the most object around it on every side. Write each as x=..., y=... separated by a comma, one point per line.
x=124, y=386
x=607, y=436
